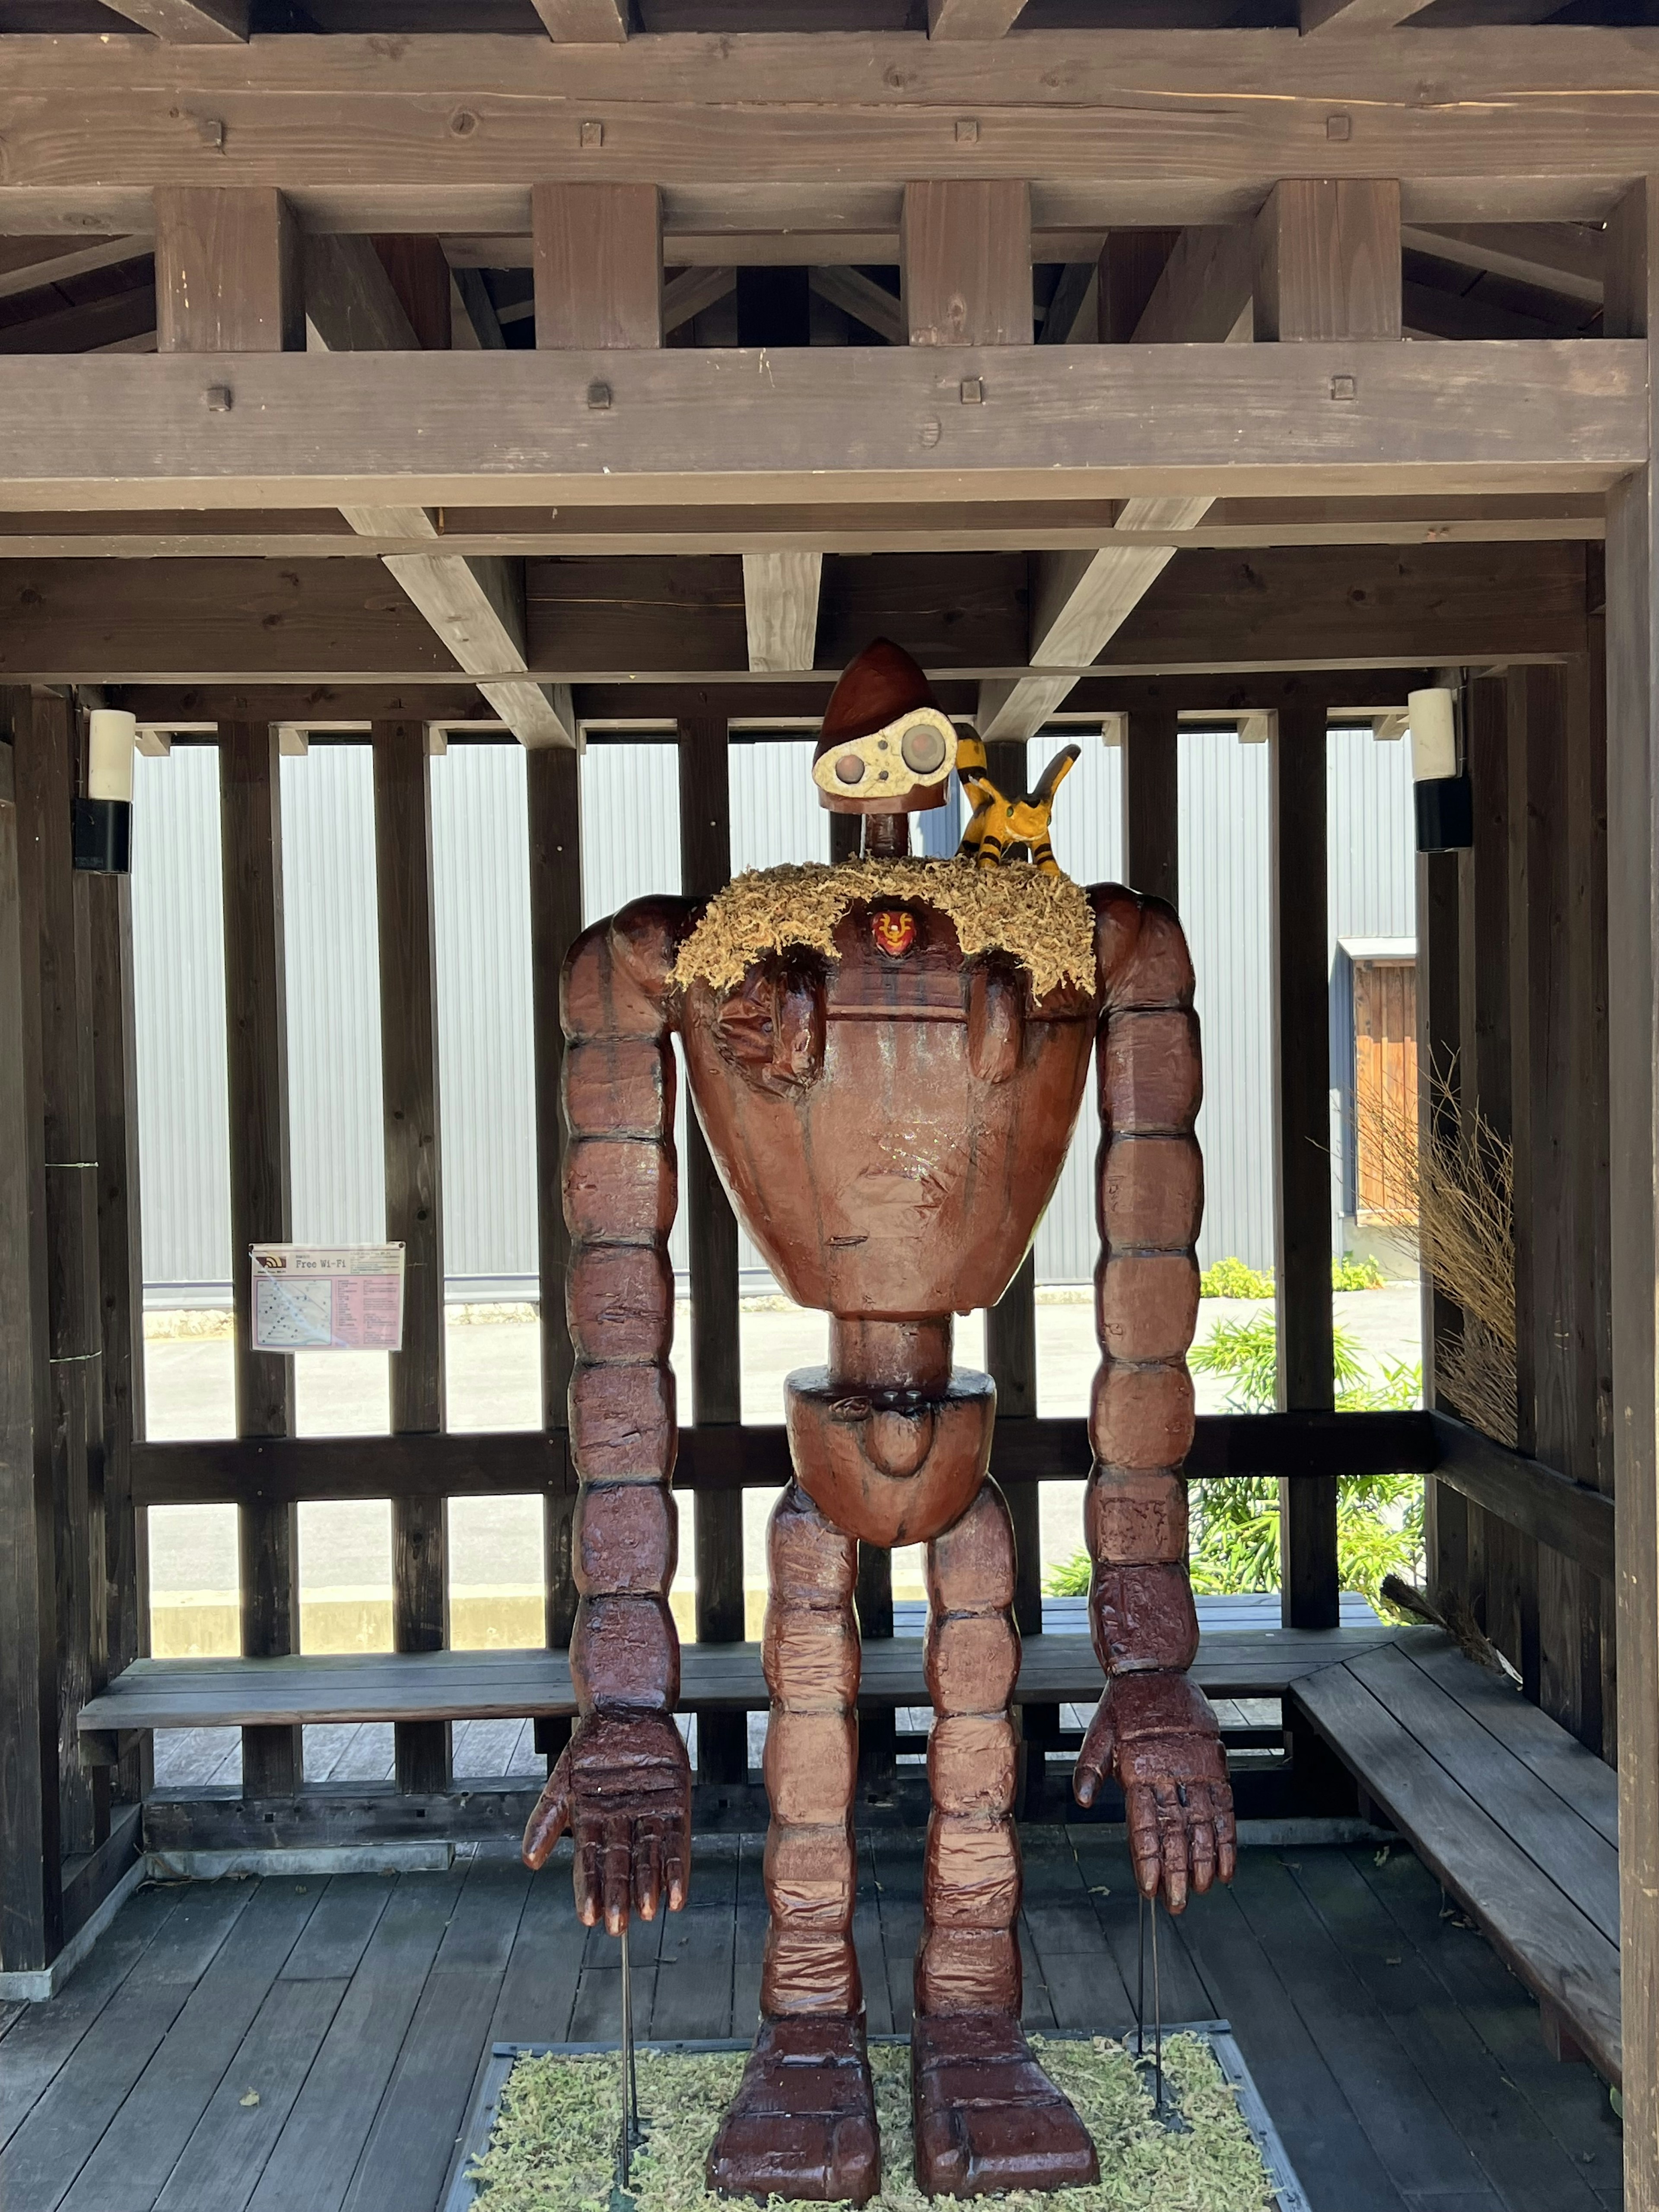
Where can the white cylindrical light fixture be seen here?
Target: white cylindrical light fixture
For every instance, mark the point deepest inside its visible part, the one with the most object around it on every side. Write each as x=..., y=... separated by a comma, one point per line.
x=1445, y=811
x=103, y=819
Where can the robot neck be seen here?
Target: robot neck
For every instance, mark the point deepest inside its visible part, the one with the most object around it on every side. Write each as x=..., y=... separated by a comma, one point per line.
x=886, y=836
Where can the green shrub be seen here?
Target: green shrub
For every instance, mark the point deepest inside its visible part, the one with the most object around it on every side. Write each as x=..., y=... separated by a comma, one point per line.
x=1232, y=1278
x=1235, y=1522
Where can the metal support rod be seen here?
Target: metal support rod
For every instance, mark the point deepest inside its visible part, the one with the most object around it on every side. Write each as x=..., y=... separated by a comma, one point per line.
x=1158, y=2021
x=1141, y=1977
x=630, y=2093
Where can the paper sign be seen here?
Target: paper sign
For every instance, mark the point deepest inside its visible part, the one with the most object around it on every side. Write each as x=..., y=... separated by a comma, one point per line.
x=320, y=1297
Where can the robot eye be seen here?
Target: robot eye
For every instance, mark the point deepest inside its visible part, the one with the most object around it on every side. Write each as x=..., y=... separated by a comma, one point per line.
x=923, y=748
x=849, y=768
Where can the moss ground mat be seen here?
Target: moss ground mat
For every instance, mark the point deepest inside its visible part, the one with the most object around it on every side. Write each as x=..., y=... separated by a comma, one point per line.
x=552, y=2147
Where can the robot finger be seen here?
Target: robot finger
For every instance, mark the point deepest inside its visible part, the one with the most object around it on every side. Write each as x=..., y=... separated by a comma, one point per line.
x=647, y=1867
x=618, y=1863
x=1144, y=1846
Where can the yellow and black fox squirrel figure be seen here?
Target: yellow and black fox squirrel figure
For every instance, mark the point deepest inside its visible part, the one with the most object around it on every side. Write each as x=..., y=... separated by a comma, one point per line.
x=999, y=826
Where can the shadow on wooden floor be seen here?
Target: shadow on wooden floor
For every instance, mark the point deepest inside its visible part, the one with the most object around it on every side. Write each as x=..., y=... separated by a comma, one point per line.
x=306, y=2047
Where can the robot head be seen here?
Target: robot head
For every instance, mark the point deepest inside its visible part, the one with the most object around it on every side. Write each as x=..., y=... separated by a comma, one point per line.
x=885, y=748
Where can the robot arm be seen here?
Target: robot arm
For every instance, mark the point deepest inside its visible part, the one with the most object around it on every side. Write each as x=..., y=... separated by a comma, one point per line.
x=1153, y=1728
x=622, y=1783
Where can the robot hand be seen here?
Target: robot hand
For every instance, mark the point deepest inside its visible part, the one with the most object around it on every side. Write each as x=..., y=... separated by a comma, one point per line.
x=1159, y=1735
x=623, y=1786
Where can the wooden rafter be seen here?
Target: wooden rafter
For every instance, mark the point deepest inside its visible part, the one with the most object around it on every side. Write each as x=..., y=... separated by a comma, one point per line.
x=1360, y=15
x=972, y=19
x=1565, y=258
x=474, y=602
x=190, y=22
x=26, y=265
x=585, y=22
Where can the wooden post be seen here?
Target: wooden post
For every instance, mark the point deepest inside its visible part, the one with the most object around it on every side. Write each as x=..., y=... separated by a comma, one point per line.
x=1011, y=1356
x=1327, y=260
x=121, y=1284
x=965, y=263
x=414, y=1205
x=1301, y=1125
x=31, y=1847
x=229, y=271
x=1554, y=1247
x=1152, y=804
x=1446, y=1527
x=554, y=792
x=598, y=265
x=1131, y=262
x=1632, y=311
x=1503, y=1561
x=716, y=1397
x=55, y=929
x=256, y=1028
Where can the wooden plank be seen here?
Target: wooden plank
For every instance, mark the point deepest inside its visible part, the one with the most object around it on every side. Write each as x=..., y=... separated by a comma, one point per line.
x=1581, y=1862
x=414, y=1198
x=171, y=2088
x=120, y=1278
x=329, y=430
x=27, y=264
x=190, y=22
x=598, y=265
x=599, y=22
x=30, y=1848
x=554, y=798
x=1632, y=308
x=229, y=270
x=1327, y=260
x=965, y=263
x=1576, y=1776
x=46, y=759
x=1151, y=804
x=410, y=2146
x=716, y=1367
x=361, y=1687
x=256, y=1024
x=1543, y=1936
x=310, y=2168
x=1302, y=1187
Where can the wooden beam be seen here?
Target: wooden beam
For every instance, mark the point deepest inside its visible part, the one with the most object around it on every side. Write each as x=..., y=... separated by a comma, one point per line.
x=1632, y=310
x=1545, y=1505
x=1151, y=802
x=1562, y=258
x=716, y=1364
x=31, y=1848
x=780, y=609
x=351, y=303
x=1439, y=1084
x=859, y=296
x=229, y=270
x=1327, y=260
x=825, y=424
x=685, y=297
x=256, y=1021
x=319, y=629
x=585, y=22
x=414, y=1201
x=1301, y=1134
x=190, y=22
x=972, y=19
x=965, y=263
x=26, y=265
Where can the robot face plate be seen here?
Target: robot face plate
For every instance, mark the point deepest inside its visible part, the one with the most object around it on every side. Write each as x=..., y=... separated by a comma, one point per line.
x=916, y=751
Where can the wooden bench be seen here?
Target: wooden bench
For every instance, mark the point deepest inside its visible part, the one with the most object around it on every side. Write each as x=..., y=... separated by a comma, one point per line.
x=461, y=1686
x=1518, y=1820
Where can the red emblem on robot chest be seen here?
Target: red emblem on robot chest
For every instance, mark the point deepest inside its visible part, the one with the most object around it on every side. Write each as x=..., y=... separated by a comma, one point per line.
x=894, y=931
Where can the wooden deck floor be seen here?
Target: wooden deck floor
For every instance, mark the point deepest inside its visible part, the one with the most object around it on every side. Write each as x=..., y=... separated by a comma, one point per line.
x=312, y=2046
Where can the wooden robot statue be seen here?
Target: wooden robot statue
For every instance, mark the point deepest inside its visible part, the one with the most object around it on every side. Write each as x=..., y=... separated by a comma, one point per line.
x=887, y=1058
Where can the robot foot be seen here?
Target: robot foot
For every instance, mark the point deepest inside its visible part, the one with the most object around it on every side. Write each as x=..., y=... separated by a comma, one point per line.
x=803, y=2124
x=987, y=2116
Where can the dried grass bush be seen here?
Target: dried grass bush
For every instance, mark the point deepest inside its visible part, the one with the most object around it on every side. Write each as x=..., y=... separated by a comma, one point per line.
x=1455, y=1191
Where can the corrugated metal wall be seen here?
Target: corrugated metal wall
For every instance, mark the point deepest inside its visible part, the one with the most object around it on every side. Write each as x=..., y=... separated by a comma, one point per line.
x=630, y=846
